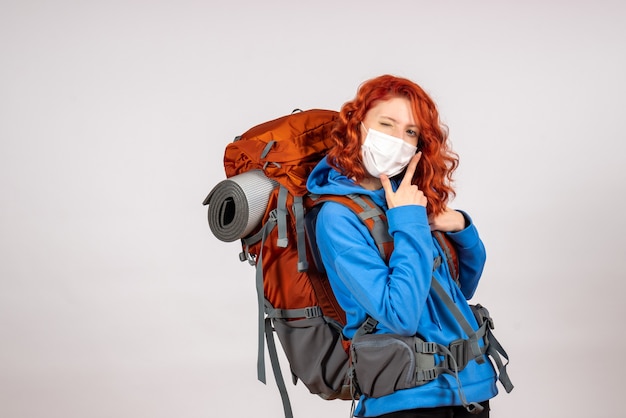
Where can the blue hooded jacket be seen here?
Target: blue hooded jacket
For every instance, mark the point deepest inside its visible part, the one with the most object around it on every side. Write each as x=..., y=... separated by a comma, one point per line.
x=398, y=294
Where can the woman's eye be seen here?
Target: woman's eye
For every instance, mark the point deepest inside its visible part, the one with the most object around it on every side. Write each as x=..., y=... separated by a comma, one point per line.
x=411, y=132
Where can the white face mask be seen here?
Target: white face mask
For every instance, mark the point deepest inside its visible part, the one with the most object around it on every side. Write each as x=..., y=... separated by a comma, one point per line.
x=385, y=154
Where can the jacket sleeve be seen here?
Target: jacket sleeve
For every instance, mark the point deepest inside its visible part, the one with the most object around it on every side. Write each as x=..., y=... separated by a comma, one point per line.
x=393, y=294
x=471, y=254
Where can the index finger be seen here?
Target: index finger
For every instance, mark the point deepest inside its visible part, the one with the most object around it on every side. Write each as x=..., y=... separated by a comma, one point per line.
x=410, y=169
x=384, y=180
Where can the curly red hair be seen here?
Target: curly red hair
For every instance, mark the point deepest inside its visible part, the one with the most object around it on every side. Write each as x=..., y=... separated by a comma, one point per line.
x=434, y=171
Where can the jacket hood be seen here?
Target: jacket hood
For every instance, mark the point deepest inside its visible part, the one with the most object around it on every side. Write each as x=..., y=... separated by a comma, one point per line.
x=324, y=179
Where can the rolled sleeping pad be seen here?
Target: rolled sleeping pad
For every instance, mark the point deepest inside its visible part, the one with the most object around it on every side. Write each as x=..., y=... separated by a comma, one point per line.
x=237, y=204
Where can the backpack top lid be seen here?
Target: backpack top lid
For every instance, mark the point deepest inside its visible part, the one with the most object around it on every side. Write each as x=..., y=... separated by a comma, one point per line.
x=286, y=149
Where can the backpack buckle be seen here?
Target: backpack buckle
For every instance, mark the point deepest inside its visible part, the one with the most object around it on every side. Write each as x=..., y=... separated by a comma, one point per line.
x=313, y=312
x=459, y=350
x=427, y=347
x=369, y=325
x=426, y=375
x=246, y=256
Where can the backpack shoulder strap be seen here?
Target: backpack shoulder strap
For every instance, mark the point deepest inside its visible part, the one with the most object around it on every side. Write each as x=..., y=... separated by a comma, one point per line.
x=374, y=219
x=450, y=254
x=370, y=214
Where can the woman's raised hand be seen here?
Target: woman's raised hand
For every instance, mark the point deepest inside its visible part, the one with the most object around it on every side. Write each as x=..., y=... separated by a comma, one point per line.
x=407, y=193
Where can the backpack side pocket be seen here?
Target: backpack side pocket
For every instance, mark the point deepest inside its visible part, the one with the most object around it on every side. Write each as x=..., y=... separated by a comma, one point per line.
x=315, y=353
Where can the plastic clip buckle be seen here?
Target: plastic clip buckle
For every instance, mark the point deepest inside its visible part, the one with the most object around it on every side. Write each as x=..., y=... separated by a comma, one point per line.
x=460, y=351
x=370, y=324
x=312, y=312
x=426, y=375
x=426, y=347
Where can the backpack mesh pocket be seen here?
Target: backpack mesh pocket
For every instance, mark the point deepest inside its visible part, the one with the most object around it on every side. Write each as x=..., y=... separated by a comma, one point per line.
x=315, y=353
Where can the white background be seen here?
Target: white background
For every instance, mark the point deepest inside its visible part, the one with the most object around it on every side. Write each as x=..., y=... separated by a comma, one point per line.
x=116, y=300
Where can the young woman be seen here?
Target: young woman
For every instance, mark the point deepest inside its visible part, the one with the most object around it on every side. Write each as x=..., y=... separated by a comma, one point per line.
x=391, y=146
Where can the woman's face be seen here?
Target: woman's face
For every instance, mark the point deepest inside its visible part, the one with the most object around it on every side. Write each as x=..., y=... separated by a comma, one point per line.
x=392, y=117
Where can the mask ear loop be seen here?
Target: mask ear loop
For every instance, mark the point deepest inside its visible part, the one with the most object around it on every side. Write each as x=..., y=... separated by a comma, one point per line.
x=364, y=127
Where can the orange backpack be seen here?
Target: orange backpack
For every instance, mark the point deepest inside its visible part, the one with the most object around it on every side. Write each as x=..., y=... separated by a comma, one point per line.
x=267, y=168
